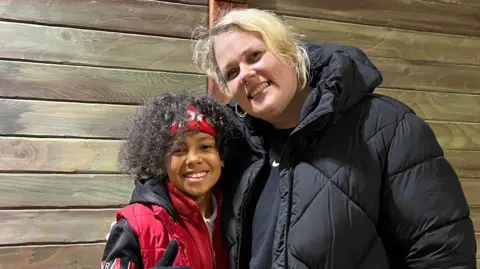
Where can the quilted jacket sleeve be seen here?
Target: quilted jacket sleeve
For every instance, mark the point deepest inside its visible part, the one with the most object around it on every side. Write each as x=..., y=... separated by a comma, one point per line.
x=122, y=249
x=425, y=218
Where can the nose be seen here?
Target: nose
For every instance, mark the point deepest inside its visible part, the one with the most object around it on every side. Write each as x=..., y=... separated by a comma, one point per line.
x=246, y=73
x=193, y=157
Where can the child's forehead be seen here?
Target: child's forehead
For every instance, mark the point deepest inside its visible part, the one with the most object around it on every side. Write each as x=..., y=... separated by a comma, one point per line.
x=192, y=136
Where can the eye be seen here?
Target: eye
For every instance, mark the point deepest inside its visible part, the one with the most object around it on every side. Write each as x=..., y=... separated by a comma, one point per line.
x=178, y=151
x=232, y=73
x=206, y=147
x=255, y=56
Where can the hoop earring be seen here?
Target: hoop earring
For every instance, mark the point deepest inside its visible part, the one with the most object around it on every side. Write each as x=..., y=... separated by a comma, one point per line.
x=241, y=115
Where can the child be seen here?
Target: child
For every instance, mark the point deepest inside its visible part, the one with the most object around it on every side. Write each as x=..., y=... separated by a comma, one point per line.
x=175, y=149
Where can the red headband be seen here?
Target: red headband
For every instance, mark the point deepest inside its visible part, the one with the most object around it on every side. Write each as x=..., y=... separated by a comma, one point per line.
x=195, y=121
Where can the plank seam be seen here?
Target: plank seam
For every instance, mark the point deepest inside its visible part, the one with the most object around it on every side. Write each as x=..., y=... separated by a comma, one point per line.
x=24, y=244
x=422, y=62
x=104, y=30
x=44, y=210
x=181, y=3
x=56, y=245
x=428, y=91
x=449, y=4
x=285, y=14
x=60, y=208
x=64, y=172
x=110, y=67
x=63, y=137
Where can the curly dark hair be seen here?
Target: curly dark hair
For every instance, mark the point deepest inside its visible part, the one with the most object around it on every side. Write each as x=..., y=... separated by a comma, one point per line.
x=148, y=140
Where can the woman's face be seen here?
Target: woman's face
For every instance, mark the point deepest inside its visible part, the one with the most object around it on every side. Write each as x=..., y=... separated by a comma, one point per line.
x=261, y=84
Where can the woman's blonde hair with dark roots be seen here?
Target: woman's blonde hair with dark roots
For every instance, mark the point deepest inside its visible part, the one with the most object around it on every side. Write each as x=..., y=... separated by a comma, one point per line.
x=280, y=38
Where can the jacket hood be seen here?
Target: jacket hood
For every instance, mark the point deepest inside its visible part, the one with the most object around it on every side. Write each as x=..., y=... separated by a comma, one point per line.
x=340, y=77
x=153, y=191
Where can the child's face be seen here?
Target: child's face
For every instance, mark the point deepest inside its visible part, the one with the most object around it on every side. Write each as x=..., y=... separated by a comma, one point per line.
x=194, y=166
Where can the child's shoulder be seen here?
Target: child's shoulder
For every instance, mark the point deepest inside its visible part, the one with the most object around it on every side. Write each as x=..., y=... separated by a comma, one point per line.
x=141, y=215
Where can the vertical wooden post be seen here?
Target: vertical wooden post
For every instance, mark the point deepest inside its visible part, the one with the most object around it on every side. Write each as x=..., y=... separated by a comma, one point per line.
x=216, y=10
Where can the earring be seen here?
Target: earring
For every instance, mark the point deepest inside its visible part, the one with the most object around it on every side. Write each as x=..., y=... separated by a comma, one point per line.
x=240, y=114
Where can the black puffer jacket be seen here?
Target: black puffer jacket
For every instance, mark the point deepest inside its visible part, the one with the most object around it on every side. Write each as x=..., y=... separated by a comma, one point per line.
x=363, y=181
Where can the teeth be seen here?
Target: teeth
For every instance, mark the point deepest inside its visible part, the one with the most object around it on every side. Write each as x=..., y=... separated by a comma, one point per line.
x=260, y=89
x=196, y=175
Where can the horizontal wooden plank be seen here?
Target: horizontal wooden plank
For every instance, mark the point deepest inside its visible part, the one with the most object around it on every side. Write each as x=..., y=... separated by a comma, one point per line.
x=405, y=74
x=64, y=190
x=439, y=106
x=60, y=119
x=475, y=216
x=59, y=155
x=77, y=190
x=82, y=155
x=477, y=236
x=393, y=43
x=63, y=119
x=51, y=81
x=68, y=45
x=453, y=135
x=152, y=17
x=416, y=15
x=77, y=83
x=55, y=226
x=467, y=3
x=464, y=162
x=197, y=2
x=471, y=187
x=81, y=256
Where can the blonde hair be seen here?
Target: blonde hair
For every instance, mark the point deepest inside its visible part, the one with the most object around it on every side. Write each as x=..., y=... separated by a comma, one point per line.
x=280, y=38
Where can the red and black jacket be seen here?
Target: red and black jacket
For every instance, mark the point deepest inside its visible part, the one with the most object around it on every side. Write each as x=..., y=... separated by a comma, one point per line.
x=158, y=213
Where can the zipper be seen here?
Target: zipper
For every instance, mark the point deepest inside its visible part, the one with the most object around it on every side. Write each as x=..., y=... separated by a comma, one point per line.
x=292, y=161
x=243, y=210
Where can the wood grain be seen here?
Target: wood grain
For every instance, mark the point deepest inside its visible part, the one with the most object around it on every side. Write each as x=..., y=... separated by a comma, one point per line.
x=453, y=135
x=60, y=119
x=467, y=3
x=415, y=15
x=464, y=162
x=74, y=83
x=23, y=117
x=393, y=43
x=406, y=74
x=438, y=106
x=471, y=187
x=59, y=155
x=55, y=226
x=68, y=45
x=151, y=17
x=78, y=256
x=475, y=216
x=64, y=190
x=477, y=236
x=82, y=155
x=197, y=2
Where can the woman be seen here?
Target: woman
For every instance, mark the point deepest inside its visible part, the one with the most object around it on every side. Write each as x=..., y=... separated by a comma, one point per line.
x=333, y=175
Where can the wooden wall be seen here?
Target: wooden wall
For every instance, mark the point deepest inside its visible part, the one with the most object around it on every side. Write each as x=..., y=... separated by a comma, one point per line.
x=429, y=54
x=72, y=71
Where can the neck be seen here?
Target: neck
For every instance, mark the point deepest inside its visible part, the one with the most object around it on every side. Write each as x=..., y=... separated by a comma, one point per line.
x=204, y=202
x=290, y=117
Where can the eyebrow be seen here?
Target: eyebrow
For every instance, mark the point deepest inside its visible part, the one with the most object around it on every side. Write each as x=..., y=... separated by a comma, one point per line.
x=244, y=51
x=203, y=138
